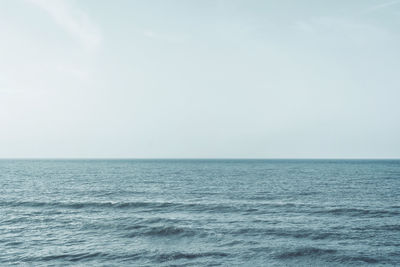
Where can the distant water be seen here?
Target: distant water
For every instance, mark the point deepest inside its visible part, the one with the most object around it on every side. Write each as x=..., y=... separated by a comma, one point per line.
x=199, y=212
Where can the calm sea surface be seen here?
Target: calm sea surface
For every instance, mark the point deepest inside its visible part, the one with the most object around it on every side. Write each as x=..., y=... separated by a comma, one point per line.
x=199, y=212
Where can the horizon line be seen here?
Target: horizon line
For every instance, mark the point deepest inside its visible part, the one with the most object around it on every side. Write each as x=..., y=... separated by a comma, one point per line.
x=188, y=158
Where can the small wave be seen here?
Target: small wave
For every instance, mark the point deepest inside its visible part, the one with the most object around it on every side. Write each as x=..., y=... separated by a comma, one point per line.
x=13, y=243
x=393, y=227
x=195, y=207
x=357, y=212
x=314, y=234
x=67, y=257
x=356, y=259
x=182, y=255
x=167, y=231
x=159, y=206
x=331, y=255
x=231, y=244
x=261, y=249
x=308, y=193
x=304, y=252
x=388, y=227
x=81, y=205
x=162, y=231
x=261, y=197
x=133, y=227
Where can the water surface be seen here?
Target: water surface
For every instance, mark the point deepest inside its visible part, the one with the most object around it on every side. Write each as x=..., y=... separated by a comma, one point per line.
x=200, y=212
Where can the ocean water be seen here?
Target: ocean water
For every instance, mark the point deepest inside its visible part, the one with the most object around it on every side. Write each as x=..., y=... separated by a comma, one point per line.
x=200, y=212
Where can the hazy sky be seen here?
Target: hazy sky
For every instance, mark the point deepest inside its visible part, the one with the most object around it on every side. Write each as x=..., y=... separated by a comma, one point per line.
x=231, y=79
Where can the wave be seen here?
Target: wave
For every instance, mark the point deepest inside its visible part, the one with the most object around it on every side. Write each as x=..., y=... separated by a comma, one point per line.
x=305, y=251
x=258, y=208
x=312, y=234
x=162, y=231
x=80, y=205
x=329, y=255
x=355, y=259
x=181, y=255
x=123, y=257
x=387, y=227
x=357, y=212
x=67, y=257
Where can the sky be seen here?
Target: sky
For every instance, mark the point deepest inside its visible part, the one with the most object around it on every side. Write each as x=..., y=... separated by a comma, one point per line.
x=199, y=79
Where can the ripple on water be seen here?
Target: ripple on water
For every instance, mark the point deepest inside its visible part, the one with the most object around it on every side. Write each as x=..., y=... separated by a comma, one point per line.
x=199, y=213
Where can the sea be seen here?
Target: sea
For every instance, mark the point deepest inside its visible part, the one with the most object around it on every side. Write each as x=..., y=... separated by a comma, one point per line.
x=199, y=212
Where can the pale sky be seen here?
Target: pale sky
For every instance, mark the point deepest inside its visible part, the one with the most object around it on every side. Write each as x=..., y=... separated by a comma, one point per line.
x=199, y=79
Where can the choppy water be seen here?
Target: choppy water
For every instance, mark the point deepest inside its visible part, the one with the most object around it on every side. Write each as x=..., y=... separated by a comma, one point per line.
x=199, y=212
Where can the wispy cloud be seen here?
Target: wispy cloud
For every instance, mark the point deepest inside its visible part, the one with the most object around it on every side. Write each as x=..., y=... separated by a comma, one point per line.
x=74, y=20
x=380, y=6
x=333, y=24
x=162, y=37
x=327, y=24
x=352, y=30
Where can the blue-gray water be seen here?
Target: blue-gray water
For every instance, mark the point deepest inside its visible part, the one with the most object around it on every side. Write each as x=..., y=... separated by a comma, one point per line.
x=200, y=212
